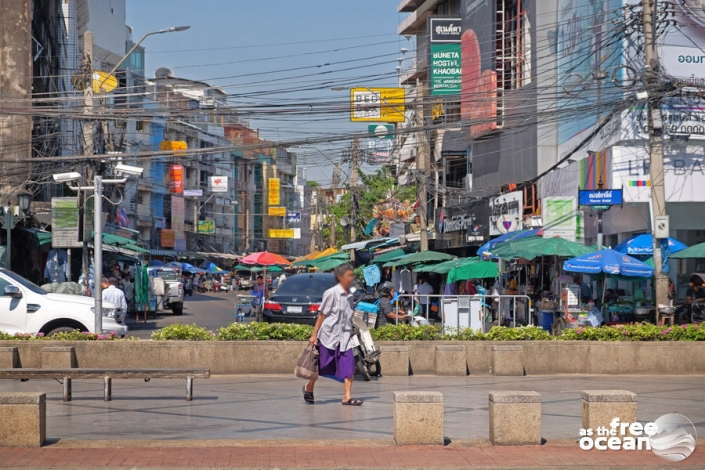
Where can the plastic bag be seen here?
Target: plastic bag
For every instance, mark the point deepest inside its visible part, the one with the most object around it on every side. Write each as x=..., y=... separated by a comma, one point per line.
x=307, y=367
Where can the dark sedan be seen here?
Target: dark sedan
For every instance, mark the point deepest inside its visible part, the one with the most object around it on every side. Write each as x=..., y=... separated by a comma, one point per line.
x=299, y=297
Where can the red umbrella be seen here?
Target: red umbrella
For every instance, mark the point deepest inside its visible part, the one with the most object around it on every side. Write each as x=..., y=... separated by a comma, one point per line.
x=265, y=258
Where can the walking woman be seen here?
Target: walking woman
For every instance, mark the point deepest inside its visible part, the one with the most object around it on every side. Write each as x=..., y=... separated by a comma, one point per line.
x=332, y=335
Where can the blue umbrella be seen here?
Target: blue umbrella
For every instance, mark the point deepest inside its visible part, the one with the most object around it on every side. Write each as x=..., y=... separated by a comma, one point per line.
x=156, y=262
x=643, y=245
x=207, y=266
x=507, y=237
x=608, y=262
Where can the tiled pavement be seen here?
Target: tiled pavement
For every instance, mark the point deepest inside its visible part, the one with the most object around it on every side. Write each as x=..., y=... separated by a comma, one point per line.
x=310, y=456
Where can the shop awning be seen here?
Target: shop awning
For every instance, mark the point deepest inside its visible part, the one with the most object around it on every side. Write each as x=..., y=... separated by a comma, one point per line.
x=110, y=240
x=389, y=256
x=364, y=244
x=229, y=256
x=41, y=237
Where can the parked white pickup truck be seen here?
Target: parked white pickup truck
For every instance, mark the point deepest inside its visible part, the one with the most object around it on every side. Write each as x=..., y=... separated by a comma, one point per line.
x=174, y=295
x=26, y=308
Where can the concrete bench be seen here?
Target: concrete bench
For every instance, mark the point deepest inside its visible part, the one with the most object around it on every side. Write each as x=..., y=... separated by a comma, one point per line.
x=107, y=375
x=515, y=418
x=418, y=418
x=23, y=418
x=600, y=407
x=451, y=360
x=59, y=357
x=9, y=357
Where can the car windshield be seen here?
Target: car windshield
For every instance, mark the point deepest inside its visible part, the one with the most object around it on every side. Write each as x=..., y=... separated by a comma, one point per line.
x=25, y=283
x=168, y=275
x=305, y=284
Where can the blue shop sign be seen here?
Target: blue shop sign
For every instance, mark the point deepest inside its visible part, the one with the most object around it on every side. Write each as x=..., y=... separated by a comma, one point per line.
x=600, y=197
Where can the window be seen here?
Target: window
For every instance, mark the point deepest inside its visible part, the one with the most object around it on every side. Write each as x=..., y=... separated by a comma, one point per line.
x=3, y=284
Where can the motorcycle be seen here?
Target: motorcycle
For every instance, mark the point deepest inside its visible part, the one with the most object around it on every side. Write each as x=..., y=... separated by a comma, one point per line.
x=366, y=355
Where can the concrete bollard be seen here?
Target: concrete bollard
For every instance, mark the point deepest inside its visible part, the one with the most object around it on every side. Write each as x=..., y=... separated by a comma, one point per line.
x=515, y=418
x=600, y=407
x=23, y=418
x=451, y=360
x=394, y=360
x=507, y=360
x=9, y=357
x=58, y=357
x=418, y=418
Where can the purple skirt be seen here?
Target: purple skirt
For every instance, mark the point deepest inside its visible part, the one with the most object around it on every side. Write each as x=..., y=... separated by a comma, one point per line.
x=335, y=365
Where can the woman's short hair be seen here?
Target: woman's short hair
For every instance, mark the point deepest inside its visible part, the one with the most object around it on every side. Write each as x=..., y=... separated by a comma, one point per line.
x=342, y=269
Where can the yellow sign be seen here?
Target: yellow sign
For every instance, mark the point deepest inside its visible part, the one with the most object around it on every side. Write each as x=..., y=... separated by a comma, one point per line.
x=173, y=145
x=377, y=104
x=281, y=233
x=274, y=199
x=103, y=82
x=277, y=211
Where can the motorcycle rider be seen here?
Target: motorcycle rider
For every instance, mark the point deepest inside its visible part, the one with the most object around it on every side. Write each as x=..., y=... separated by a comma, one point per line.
x=387, y=313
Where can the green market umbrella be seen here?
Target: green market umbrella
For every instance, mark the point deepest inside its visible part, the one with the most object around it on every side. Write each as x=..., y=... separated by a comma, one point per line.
x=271, y=269
x=331, y=263
x=142, y=286
x=421, y=257
x=695, y=251
x=530, y=248
x=240, y=267
x=389, y=256
x=446, y=266
x=477, y=270
x=309, y=263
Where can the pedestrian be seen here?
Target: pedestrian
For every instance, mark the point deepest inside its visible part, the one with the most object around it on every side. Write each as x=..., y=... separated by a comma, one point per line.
x=386, y=314
x=259, y=291
x=128, y=287
x=114, y=295
x=585, y=289
x=117, y=275
x=332, y=336
x=422, y=290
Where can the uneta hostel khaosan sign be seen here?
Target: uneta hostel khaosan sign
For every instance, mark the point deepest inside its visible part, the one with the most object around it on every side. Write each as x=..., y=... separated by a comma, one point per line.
x=445, y=55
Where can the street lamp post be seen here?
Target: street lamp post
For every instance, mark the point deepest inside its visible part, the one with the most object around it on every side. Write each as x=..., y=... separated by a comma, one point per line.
x=97, y=190
x=24, y=199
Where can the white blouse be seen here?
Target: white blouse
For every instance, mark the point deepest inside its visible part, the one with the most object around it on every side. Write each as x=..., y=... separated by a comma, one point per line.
x=337, y=306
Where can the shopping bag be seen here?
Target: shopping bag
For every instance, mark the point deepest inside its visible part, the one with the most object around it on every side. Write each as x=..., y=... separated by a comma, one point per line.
x=307, y=367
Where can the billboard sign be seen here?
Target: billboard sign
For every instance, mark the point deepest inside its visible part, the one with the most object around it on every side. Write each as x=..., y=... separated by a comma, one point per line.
x=64, y=223
x=445, y=63
x=167, y=238
x=506, y=212
x=274, y=186
x=478, y=99
x=193, y=192
x=276, y=211
x=293, y=217
x=560, y=218
x=219, y=184
x=206, y=226
x=377, y=104
x=281, y=233
x=600, y=197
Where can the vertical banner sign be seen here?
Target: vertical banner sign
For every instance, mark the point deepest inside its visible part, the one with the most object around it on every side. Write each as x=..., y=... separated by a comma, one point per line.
x=446, y=72
x=560, y=218
x=176, y=179
x=178, y=215
x=64, y=223
x=273, y=191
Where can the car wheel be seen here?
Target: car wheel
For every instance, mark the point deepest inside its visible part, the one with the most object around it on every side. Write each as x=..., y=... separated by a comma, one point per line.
x=61, y=329
x=177, y=309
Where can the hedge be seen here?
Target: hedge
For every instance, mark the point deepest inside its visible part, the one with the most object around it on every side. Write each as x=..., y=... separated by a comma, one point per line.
x=292, y=332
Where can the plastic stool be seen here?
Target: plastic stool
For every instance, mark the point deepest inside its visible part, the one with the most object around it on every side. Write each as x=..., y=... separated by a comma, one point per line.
x=668, y=316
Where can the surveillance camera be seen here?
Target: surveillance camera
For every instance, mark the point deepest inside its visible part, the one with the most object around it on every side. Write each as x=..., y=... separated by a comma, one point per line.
x=66, y=177
x=128, y=170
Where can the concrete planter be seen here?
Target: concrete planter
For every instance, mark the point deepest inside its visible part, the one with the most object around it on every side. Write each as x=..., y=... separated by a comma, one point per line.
x=280, y=357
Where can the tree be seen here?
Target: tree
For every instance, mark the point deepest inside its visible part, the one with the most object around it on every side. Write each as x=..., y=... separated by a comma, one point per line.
x=376, y=189
x=312, y=184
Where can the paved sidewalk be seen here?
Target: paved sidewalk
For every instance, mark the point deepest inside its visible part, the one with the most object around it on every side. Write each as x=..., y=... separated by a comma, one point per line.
x=309, y=456
x=271, y=407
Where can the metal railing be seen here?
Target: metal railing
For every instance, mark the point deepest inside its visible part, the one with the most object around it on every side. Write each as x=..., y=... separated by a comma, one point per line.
x=496, y=304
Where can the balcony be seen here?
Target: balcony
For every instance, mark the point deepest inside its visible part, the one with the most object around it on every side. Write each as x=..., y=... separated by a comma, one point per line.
x=417, y=17
x=406, y=6
x=417, y=70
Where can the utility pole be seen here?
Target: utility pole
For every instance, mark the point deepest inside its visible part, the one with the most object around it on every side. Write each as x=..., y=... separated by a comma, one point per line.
x=87, y=142
x=353, y=190
x=658, y=192
x=422, y=164
x=98, y=251
x=332, y=231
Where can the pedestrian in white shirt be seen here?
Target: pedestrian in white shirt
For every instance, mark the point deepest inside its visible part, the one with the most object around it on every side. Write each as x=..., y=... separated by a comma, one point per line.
x=112, y=294
x=423, y=289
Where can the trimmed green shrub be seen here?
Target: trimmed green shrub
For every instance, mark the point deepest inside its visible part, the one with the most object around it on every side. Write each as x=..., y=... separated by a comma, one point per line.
x=635, y=332
x=63, y=336
x=264, y=331
x=408, y=333
x=526, y=333
x=181, y=332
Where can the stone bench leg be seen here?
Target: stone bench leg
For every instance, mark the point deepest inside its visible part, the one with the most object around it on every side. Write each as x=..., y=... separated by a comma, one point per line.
x=107, y=389
x=451, y=360
x=600, y=407
x=507, y=361
x=23, y=418
x=394, y=360
x=67, y=389
x=418, y=418
x=189, y=388
x=515, y=418
x=9, y=357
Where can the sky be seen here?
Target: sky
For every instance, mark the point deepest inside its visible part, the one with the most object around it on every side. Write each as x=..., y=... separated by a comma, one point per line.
x=250, y=48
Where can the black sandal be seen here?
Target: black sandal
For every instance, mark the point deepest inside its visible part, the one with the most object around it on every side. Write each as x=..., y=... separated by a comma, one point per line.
x=308, y=396
x=352, y=402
